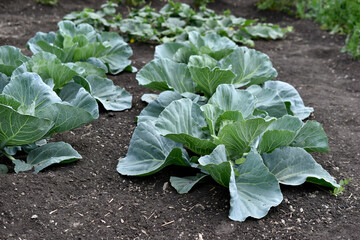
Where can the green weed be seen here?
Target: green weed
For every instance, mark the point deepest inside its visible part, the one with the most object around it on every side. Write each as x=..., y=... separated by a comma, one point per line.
x=47, y=2
x=340, y=189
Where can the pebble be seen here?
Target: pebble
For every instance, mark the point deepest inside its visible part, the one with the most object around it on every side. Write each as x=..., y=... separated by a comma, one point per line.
x=165, y=186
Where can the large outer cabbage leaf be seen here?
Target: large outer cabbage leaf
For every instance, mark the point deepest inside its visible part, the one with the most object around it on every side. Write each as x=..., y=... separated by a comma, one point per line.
x=113, y=98
x=185, y=184
x=149, y=152
x=312, y=138
x=65, y=116
x=46, y=155
x=153, y=110
x=116, y=55
x=254, y=191
x=293, y=166
x=10, y=58
x=29, y=88
x=18, y=129
x=168, y=50
x=164, y=74
x=268, y=100
x=78, y=97
x=289, y=94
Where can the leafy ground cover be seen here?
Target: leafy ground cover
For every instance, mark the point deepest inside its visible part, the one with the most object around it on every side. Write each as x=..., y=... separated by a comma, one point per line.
x=79, y=200
x=174, y=21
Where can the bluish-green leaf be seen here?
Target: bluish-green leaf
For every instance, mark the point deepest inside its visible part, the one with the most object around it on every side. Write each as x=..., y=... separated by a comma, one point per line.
x=10, y=58
x=183, y=54
x=183, y=121
x=292, y=166
x=185, y=184
x=89, y=69
x=78, y=97
x=4, y=80
x=149, y=152
x=17, y=129
x=207, y=80
x=153, y=110
x=168, y=50
x=228, y=98
x=68, y=28
x=202, y=61
x=267, y=31
x=289, y=94
x=273, y=139
x=216, y=46
x=237, y=137
x=280, y=133
x=112, y=97
x=149, y=97
x=65, y=116
x=116, y=56
x=9, y=101
x=312, y=138
x=48, y=66
x=250, y=66
x=287, y=122
x=46, y=155
x=32, y=44
x=268, y=100
x=164, y=74
x=254, y=191
x=3, y=169
x=65, y=55
x=28, y=88
x=217, y=165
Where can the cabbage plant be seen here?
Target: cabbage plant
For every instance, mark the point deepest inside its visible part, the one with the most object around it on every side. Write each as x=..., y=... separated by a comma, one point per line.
x=31, y=112
x=73, y=43
x=249, y=140
x=203, y=63
x=243, y=139
x=79, y=74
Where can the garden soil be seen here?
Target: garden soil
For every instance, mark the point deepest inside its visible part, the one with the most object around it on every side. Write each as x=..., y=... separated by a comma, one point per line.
x=88, y=199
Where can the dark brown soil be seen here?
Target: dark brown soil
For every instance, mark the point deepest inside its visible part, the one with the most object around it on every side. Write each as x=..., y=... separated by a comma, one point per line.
x=90, y=200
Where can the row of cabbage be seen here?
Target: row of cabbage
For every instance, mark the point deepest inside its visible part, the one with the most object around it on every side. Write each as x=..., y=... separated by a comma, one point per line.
x=174, y=21
x=221, y=112
x=57, y=90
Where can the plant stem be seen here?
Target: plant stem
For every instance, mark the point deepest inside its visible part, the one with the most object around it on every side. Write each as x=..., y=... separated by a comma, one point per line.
x=8, y=155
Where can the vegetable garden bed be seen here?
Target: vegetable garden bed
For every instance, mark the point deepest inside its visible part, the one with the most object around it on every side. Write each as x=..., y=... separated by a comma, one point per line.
x=89, y=199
